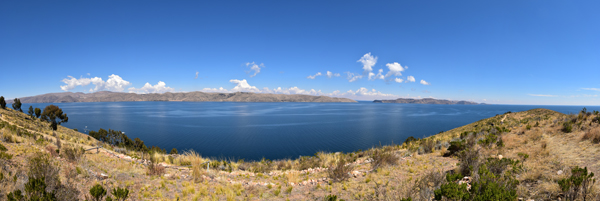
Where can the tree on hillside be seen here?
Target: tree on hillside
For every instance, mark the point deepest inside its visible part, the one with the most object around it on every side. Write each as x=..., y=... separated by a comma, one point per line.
x=38, y=112
x=2, y=102
x=30, y=112
x=51, y=113
x=17, y=105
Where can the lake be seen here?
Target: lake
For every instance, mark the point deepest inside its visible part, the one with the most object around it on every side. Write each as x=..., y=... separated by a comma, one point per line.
x=277, y=130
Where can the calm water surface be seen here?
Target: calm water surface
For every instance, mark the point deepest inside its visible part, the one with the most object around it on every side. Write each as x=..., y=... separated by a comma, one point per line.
x=277, y=130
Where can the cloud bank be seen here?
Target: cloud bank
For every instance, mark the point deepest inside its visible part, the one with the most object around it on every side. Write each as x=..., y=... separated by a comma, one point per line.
x=114, y=83
x=161, y=87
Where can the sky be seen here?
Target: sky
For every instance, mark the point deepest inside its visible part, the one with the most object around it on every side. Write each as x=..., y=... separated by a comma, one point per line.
x=496, y=52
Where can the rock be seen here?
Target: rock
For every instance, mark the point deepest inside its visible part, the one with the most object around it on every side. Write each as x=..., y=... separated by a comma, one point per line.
x=559, y=172
x=500, y=157
x=102, y=176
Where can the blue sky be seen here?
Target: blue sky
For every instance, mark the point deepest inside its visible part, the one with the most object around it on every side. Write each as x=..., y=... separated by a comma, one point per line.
x=499, y=52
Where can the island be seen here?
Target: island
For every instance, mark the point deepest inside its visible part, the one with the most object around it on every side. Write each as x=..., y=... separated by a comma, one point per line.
x=428, y=101
x=107, y=96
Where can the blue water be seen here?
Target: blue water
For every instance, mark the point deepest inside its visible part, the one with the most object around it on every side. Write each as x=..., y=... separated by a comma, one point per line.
x=277, y=130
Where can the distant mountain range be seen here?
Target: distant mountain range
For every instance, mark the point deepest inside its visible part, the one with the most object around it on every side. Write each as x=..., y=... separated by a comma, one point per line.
x=428, y=101
x=106, y=96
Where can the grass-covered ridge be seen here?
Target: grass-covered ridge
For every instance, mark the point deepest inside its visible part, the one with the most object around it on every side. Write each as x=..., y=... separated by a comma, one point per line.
x=537, y=154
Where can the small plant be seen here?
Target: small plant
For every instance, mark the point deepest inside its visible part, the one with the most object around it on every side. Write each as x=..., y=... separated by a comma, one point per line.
x=567, y=127
x=120, y=194
x=289, y=190
x=35, y=189
x=98, y=192
x=334, y=198
x=528, y=127
x=339, y=171
x=382, y=158
x=580, y=182
x=154, y=168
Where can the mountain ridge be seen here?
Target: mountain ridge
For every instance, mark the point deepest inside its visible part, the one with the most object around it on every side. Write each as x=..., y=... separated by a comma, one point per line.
x=428, y=101
x=107, y=96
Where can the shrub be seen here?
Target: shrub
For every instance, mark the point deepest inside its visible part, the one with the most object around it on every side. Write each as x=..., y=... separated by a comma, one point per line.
x=580, y=182
x=72, y=154
x=382, y=158
x=3, y=148
x=567, y=127
x=469, y=160
x=428, y=145
x=410, y=139
x=97, y=192
x=333, y=198
x=5, y=156
x=120, y=194
x=41, y=166
x=455, y=147
x=154, y=168
x=305, y=162
x=35, y=189
x=339, y=171
x=173, y=151
x=592, y=135
x=2, y=102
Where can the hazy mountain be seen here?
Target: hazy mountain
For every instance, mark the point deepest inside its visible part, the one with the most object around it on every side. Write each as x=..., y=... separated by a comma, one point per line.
x=106, y=96
x=427, y=101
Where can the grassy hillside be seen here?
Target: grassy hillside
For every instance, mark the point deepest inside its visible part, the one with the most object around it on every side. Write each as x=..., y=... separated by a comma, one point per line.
x=515, y=155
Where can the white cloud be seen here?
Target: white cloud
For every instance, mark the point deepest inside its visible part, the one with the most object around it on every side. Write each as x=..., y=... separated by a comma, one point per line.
x=220, y=90
x=312, y=77
x=254, y=67
x=399, y=80
x=423, y=82
x=368, y=62
x=395, y=69
x=88, y=74
x=379, y=75
x=591, y=89
x=114, y=83
x=330, y=74
x=242, y=85
x=196, y=75
x=410, y=79
x=352, y=77
x=161, y=87
x=542, y=95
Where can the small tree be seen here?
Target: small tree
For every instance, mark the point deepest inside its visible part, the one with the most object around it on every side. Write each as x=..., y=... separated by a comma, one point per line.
x=17, y=105
x=173, y=151
x=2, y=102
x=51, y=113
x=30, y=112
x=38, y=112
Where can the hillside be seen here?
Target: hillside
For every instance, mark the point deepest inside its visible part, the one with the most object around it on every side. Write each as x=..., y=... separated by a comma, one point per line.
x=426, y=101
x=522, y=155
x=107, y=96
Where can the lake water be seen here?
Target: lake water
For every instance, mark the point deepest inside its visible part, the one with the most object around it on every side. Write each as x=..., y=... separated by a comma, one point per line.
x=277, y=130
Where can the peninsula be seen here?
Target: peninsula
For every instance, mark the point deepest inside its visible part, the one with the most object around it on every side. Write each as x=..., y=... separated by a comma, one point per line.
x=106, y=96
x=428, y=101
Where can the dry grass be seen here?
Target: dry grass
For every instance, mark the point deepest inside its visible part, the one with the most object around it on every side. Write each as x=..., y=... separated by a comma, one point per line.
x=592, y=135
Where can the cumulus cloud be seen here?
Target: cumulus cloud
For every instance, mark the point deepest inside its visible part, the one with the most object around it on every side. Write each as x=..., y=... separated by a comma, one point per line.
x=423, y=82
x=410, y=79
x=368, y=62
x=312, y=77
x=220, y=90
x=379, y=75
x=398, y=80
x=160, y=87
x=114, y=83
x=330, y=74
x=242, y=85
x=542, y=95
x=395, y=69
x=254, y=67
x=352, y=77
x=196, y=75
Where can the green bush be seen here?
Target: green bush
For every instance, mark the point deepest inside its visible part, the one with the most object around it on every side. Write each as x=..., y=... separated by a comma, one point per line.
x=3, y=148
x=97, y=192
x=121, y=194
x=567, y=127
x=173, y=151
x=35, y=189
x=578, y=184
x=455, y=147
x=334, y=198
